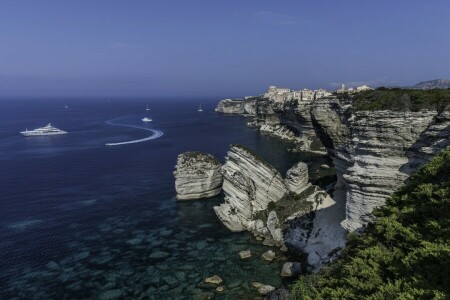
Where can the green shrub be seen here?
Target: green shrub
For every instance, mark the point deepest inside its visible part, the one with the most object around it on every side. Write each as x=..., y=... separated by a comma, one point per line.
x=404, y=254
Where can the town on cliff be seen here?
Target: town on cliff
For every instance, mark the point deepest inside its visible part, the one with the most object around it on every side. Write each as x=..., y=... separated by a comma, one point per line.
x=373, y=152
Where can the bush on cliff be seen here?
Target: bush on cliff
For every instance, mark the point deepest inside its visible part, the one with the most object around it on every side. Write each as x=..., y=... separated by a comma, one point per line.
x=404, y=254
x=397, y=99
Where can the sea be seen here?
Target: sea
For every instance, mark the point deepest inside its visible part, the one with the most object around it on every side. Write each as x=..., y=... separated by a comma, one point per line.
x=83, y=220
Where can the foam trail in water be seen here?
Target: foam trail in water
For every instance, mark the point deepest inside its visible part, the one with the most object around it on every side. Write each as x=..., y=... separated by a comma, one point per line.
x=156, y=134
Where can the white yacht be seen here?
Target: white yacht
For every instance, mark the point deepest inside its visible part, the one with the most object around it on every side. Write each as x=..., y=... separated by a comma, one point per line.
x=200, y=108
x=147, y=108
x=147, y=119
x=47, y=130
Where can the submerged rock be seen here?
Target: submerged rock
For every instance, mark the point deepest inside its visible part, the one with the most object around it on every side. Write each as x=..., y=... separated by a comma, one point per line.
x=214, y=280
x=245, y=254
x=265, y=289
x=111, y=294
x=197, y=175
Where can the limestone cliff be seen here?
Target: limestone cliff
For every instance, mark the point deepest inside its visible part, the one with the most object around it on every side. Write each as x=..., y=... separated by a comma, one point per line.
x=229, y=106
x=290, y=121
x=284, y=212
x=198, y=175
x=249, y=185
x=375, y=151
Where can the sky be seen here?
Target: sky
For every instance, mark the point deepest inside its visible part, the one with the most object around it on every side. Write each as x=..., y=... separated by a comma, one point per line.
x=215, y=48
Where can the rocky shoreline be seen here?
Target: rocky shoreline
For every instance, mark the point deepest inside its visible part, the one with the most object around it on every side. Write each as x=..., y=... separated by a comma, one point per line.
x=373, y=153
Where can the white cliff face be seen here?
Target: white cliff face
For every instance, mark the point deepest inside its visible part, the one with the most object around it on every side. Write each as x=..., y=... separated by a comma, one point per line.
x=317, y=231
x=229, y=106
x=249, y=185
x=290, y=120
x=375, y=151
x=198, y=175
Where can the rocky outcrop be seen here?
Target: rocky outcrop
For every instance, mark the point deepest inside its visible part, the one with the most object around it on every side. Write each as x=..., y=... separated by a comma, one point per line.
x=284, y=212
x=249, y=185
x=290, y=121
x=375, y=151
x=229, y=106
x=297, y=178
x=198, y=175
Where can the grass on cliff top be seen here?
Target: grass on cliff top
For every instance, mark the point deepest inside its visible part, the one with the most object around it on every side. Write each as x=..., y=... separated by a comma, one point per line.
x=397, y=99
x=198, y=156
x=404, y=254
x=288, y=205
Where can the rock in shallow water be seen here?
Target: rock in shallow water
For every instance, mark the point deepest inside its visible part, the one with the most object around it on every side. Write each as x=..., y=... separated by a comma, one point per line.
x=291, y=269
x=265, y=289
x=269, y=255
x=214, y=279
x=112, y=294
x=245, y=254
x=198, y=175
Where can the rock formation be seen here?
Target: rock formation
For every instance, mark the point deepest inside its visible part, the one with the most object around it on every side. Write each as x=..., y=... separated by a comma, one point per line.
x=284, y=212
x=249, y=185
x=297, y=178
x=289, y=121
x=198, y=175
x=375, y=151
x=229, y=106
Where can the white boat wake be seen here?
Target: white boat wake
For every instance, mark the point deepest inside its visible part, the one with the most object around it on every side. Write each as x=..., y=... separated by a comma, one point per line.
x=156, y=134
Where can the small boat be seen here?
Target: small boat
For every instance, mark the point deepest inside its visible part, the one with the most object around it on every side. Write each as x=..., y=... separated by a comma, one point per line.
x=67, y=106
x=147, y=108
x=147, y=119
x=47, y=130
x=200, y=108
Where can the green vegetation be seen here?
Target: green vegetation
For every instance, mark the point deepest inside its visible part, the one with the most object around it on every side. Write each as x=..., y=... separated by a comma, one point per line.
x=188, y=158
x=397, y=99
x=404, y=254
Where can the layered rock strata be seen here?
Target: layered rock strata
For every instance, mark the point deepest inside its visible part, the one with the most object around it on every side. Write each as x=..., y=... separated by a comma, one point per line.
x=284, y=212
x=197, y=175
x=289, y=121
x=249, y=185
x=375, y=151
x=229, y=106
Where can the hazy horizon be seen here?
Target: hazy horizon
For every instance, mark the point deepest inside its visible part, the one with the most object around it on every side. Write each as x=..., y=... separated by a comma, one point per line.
x=220, y=49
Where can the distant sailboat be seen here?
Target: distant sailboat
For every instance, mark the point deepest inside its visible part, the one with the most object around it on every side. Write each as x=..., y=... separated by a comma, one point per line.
x=147, y=108
x=200, y=108
x=66, y=106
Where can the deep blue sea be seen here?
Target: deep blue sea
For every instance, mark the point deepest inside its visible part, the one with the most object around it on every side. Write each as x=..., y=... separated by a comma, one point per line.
x=81, y=220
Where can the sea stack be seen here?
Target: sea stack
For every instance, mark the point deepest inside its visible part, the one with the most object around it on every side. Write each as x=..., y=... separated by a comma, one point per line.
x=197, y=176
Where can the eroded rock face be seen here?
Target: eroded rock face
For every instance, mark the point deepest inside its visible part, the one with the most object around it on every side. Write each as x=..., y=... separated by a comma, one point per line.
x=249, y=185
x=198, y=175
x=229, y=106
x=297, y=178
x=375, y=151
x=289, y=121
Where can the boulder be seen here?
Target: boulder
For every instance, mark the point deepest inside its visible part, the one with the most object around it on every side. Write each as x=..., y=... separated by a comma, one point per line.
x=291, y=269
x=197, y=175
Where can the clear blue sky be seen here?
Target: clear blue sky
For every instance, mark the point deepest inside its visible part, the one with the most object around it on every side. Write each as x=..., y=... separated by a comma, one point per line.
x=217, y=48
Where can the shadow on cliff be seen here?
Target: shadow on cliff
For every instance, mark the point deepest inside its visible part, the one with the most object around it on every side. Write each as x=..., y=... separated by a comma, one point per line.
x=434, y=139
